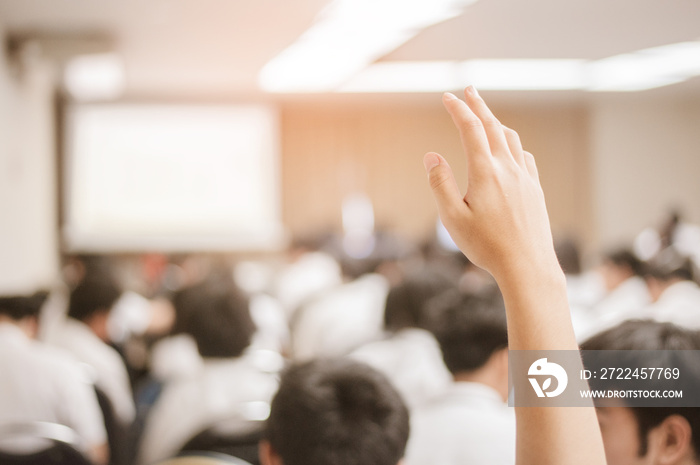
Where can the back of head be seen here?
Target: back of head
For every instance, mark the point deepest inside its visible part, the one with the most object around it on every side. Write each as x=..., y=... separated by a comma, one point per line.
x=337, y=412
x=97, y=292
x=625, y=259
x=469, y=329
x=648, y=335
x=18, y=307
x=216, y=314
x=669, y=265
x=405, y=303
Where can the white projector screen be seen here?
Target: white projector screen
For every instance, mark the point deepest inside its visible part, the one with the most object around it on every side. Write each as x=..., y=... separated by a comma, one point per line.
x=172, y=178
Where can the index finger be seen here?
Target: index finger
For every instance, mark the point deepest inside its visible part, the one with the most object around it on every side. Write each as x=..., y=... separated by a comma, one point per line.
x=471, y=131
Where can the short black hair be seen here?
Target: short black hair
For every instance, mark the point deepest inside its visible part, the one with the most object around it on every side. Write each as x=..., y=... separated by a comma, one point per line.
x=669, y=264
x=97, y=292
x=337, y=412
x=636, y=335
x=18, y=307
x=469, y=328
x=215, y=312
x=405, y=302
x=625, y=258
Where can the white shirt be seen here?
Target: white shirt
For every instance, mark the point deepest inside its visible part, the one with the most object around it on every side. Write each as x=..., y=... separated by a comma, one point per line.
x=41, y=383
x=307, y=277
x=468, y=425
x=626, y=301
x=412, y=361
x=679, y=304
x=108, y=368
x=231, y=390
x=341, y=320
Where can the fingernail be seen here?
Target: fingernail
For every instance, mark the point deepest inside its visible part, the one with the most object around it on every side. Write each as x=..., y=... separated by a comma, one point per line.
x=449, y=96
x=472, y=90
x=430, y=161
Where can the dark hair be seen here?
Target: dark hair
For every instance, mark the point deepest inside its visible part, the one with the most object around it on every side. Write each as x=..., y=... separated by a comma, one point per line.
x=337, y=412
x=569, y=256
x=19, y=307
x=669, y=264
x=469, y=328
x=215, y=313
x=626, y=259
x=97, y=292
x=648, y=335
x=405, y=303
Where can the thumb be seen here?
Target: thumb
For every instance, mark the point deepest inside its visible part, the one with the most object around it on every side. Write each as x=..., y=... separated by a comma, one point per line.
x=443, y=184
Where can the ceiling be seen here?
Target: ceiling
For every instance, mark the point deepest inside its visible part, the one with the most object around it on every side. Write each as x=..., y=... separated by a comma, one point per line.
x=215, y=48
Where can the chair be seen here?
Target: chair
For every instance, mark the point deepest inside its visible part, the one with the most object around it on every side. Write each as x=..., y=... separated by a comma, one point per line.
x=241, y=445
x=204, y=458
x=118, y=435
x=57, y=445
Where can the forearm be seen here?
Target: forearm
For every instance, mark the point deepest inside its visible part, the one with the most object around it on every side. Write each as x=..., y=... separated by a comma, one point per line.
x=538, y=319
x=537, y=309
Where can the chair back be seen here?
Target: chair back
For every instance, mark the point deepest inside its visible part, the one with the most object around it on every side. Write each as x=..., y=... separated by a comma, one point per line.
x=40, y=443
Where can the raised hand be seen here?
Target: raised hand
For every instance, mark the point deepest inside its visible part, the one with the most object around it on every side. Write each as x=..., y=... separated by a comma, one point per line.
x=501, y=221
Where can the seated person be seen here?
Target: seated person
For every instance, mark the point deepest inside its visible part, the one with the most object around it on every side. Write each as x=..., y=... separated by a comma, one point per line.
x=227, y=390
x=626, y=293
x=335, y=412
x=675, y=296
x=410, y=356
x=470, y=423
x=649, y=435
x=41, y=383
x=84, y=333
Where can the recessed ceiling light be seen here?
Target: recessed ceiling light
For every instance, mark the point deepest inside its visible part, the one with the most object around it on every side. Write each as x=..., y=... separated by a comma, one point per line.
x=348, y=36
x=95, y=77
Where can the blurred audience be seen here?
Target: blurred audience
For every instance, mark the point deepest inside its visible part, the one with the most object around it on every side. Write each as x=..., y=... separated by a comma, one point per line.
x=85, y=334
x=470, y=422
x=409, y=354
x=625, y=293
x=40, y=383
x=225, y=388
x=675, y=296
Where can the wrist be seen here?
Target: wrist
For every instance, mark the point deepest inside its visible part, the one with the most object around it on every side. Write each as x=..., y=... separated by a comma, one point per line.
x=527, y=274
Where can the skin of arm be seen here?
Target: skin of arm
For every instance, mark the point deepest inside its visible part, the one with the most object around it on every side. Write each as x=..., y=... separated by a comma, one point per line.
x=501, y=224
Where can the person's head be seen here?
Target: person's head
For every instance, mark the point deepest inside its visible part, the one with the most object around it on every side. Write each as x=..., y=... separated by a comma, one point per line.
x=216, y=314
x=23, y=310
x=619, y=266
x=666, y=269
x=405, y=303
x=92, y=299
x=335, y=412
x=473, y=337
x=649, y=435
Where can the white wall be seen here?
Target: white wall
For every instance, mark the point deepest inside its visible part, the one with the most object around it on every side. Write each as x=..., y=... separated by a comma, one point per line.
x=28, y=239
x=645, y=159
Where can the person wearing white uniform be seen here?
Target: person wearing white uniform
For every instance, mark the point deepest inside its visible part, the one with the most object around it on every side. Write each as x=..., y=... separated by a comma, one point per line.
x=676, y=298
x=410, y=356
x=626, y=294
x=40, y=383
x=84, y=333
x=227, y=391
x=340, y=320
x=469, y=424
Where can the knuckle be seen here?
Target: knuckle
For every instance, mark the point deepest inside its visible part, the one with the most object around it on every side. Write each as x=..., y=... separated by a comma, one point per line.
x=438, y=179
x=492, y=122
x=471, y=123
